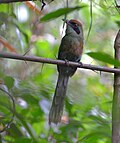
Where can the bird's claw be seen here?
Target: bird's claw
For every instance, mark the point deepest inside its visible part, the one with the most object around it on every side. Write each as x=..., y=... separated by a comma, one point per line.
x=80, y=63
x=66, y=62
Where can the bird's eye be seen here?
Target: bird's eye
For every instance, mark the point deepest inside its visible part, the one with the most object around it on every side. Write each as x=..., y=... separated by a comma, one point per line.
x=74, y=24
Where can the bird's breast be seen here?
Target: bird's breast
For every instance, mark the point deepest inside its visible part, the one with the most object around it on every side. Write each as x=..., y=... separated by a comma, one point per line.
x=76, y=47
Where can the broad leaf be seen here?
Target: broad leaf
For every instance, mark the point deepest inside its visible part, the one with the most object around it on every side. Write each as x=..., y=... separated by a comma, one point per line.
x=103, y=57
x=9, y=81
x=59, y=12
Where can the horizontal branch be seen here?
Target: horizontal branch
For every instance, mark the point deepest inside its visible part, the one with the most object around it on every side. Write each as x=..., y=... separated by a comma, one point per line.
x=9, y=1
x=58, y=62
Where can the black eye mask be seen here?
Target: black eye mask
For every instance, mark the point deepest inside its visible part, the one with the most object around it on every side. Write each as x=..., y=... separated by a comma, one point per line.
x=74, y=26
x=76, y=29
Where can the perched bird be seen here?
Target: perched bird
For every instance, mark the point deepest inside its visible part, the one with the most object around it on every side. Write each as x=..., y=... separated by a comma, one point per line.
x=71, y=49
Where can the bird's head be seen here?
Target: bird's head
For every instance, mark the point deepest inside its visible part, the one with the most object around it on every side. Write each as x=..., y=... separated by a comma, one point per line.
x=74, y=27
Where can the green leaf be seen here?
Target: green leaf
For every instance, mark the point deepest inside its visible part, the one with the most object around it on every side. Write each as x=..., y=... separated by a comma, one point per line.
x=15, y=131
x=3, y=8
x=23, y=140
x=103, y=57
x=28, y=127
x=95, y=137
x=59, y=12
x=9, y=81
x=3, y=18
x=118, y=23
x=21, y=29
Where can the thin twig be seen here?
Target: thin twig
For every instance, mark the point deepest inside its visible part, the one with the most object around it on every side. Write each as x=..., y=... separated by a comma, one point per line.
x=59, y=62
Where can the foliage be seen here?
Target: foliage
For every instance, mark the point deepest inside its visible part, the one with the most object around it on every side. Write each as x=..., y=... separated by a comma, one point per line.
x=87, y=114
x=59, y=13
x=104, y=58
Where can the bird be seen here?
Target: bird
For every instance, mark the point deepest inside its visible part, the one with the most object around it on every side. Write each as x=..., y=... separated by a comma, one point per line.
x=71, y=49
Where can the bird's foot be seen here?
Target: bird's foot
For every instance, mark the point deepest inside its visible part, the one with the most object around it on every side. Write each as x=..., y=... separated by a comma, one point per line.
x=66, y=62
x=80, y=63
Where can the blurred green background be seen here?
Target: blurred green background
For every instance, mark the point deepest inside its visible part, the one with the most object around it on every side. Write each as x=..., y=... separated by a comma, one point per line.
x=87, y=112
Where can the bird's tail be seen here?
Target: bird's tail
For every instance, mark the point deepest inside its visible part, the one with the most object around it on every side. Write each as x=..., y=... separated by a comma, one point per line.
x=58, y=100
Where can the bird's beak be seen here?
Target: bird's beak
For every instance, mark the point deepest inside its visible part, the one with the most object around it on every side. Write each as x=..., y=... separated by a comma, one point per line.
x=66, y=21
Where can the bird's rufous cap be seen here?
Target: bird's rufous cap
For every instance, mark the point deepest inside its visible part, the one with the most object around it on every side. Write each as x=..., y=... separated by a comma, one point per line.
x=72, y=20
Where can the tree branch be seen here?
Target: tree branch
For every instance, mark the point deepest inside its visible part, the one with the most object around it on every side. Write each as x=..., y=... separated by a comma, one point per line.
x=59, y=62
x=116, y=96
x=9, y=1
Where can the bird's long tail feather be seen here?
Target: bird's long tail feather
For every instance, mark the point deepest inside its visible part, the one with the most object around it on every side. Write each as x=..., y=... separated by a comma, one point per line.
x=58, y=100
